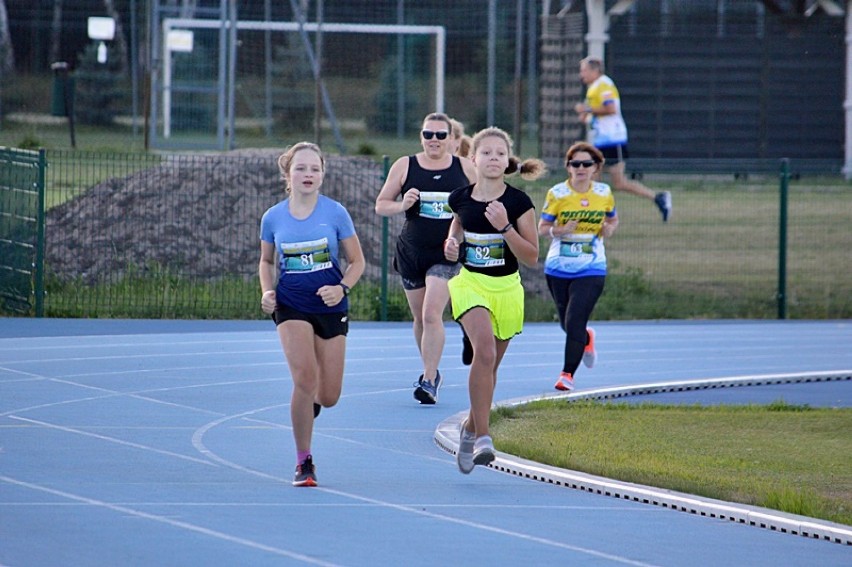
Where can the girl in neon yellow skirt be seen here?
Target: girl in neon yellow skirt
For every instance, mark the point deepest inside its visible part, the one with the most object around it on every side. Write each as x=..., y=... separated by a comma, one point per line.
x=493, y=228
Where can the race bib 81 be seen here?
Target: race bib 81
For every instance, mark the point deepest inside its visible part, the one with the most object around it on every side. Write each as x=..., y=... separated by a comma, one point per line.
x=303, y=257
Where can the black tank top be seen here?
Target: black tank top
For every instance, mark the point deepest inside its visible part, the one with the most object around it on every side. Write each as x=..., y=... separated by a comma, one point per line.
x=427, y=222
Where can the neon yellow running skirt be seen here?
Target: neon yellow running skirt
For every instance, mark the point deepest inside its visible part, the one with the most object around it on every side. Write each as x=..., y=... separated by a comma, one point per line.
x=502, y=296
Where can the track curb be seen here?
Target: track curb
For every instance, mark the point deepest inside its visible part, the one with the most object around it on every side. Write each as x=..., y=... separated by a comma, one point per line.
x=446, y=437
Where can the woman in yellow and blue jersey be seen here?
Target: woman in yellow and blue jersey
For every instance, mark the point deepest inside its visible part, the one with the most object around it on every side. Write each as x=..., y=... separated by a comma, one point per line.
x=578, y=215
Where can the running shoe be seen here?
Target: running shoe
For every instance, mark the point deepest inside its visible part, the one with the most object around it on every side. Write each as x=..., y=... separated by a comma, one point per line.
x=565, y=382
x=483, y=450
x=418, y=389
x=306, y=473
x=426, y=392
x=464, y=455
x=663, y=200
x=590, y=355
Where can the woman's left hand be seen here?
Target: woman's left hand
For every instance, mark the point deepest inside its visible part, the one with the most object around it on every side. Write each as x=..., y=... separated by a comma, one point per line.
x=331, y=295
x=558, y=231
x=496, y=214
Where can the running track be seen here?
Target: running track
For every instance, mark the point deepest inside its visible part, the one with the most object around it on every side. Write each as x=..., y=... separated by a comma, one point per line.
x=167, y=443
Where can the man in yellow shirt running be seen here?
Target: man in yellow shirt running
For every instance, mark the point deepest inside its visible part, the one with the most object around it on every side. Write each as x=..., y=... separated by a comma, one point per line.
x=601, y=112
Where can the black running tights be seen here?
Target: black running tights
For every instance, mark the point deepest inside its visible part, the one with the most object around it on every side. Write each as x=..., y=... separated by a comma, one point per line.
x=575, y=300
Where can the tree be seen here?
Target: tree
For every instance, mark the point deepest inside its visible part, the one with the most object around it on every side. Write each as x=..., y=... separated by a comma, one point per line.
x=118, y=40
x=55, y=31
x=7, y=54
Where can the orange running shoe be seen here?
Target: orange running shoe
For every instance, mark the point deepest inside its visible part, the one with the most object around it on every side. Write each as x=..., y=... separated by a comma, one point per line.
x=565, y=382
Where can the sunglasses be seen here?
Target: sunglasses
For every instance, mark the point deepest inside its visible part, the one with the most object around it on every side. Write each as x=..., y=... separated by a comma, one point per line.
x=584, y=163
x=440, y=134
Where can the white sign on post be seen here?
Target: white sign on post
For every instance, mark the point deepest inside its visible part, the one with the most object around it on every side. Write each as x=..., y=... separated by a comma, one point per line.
x=179, y=40
x=101, y=28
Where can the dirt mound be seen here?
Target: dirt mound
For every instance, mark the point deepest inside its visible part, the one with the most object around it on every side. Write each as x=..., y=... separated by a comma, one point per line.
x=196, y=216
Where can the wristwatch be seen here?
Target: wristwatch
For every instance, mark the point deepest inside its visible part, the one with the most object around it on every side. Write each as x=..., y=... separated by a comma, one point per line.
x=345, y=288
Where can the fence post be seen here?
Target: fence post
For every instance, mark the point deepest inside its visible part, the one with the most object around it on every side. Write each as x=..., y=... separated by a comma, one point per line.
x=383, y=307
x=40, y=244
x=782, y=239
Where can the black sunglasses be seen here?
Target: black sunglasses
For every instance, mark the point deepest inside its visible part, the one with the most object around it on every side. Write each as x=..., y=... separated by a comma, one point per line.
x=440, y=134
x=584, y=163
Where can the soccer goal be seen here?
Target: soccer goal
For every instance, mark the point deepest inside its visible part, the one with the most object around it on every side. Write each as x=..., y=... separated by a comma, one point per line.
x=201, y=60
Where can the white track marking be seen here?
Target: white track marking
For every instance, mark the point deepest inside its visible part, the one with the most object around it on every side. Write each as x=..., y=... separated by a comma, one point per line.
x=163, y=520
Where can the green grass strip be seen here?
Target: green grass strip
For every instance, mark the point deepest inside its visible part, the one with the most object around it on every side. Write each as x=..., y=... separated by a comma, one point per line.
x=790, y=458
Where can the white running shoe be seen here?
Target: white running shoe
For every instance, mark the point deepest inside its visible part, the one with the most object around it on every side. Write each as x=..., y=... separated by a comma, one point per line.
x=464, y=455
x=483, y=450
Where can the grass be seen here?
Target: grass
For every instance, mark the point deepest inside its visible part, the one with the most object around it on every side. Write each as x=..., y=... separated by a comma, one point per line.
x=791, y=458
x=719, y=256
x=717, y=260
x=157, y=293
x=352, y=97
x=120, y=139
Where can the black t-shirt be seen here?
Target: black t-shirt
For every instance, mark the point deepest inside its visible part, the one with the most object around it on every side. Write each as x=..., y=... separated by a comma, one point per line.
x=484, y=249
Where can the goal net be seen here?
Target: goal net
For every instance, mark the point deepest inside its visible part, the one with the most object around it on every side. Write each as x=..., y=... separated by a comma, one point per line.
x=295, y=80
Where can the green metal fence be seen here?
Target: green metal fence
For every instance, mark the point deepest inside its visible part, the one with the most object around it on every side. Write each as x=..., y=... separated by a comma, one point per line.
x=21, y=230
x=761, y=247
x=177, y=236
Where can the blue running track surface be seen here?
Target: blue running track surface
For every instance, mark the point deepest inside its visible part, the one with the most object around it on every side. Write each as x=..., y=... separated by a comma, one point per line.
x=168, y=443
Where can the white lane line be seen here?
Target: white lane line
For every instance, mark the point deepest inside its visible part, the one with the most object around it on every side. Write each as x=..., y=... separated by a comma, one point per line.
x=146, y=356
x=363, y=505
x=163, y=520
x=107, y=394
x=113, y=440
x=210, y=350
x=198, y=442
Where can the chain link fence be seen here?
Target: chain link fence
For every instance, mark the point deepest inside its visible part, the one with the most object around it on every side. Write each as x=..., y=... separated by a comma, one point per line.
x=177, y=236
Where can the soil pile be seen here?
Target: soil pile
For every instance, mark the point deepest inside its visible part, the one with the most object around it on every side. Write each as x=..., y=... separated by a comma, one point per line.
x=197, y=217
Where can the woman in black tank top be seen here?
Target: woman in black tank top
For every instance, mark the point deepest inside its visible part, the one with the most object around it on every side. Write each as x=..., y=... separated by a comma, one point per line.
x=418, y=187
